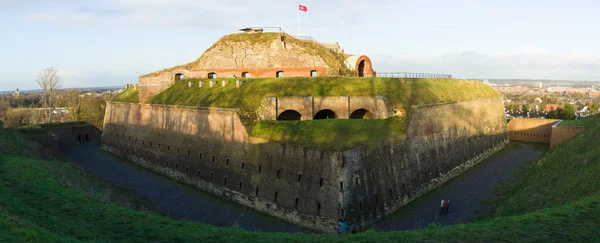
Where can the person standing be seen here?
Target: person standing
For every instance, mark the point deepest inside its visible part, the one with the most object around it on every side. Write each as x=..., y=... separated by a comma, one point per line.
x=442, y=206
x=342, y=226
x=445, y=207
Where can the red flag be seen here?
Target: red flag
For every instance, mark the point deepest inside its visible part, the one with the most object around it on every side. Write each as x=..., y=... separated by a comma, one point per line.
x=302, y=8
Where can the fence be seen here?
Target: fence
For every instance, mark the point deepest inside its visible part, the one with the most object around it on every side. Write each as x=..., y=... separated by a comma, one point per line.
x=407, y=75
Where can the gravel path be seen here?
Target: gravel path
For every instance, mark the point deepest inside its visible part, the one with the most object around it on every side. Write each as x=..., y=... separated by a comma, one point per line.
x=465, y=192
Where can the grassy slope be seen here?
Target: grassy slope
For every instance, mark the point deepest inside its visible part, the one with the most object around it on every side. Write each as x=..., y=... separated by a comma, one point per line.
x=51, y=201
x=129, y=95
x=585, y=122
x=565, y=174
x=402, y=93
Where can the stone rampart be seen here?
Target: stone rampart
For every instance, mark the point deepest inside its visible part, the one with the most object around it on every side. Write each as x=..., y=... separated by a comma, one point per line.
x=531, y=129
x=344, y=107
x=561, y=134
x=210, y=149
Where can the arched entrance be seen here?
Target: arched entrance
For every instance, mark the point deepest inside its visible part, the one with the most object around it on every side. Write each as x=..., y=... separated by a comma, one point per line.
x=361, y=114
x=289, y=115
x=178, y=77
x=325, y=114
x=361, y=68
x=212, y=75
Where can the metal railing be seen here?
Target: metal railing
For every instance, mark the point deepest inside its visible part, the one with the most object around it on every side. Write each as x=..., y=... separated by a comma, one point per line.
x=407, y=75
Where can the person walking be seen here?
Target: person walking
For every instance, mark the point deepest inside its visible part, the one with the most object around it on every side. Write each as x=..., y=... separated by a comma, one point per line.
x=442, y=206
x=445, y=207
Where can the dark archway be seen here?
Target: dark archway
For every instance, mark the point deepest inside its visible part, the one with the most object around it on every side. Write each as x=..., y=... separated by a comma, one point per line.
x=279, y=74
x=361, y=68
x=212, y=75
x=314, y=73
x=178, y=77
x=325, y=114
x=361, y=114
x=289, y=115
x=245, y=75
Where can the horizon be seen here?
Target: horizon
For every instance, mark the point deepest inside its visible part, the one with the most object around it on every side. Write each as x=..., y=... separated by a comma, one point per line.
x=113, y=43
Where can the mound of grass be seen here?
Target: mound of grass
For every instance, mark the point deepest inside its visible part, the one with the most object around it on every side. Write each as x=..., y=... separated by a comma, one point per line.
x=32, y=131
x=52, y=201
x=330, y=134
x=565, y=174
x=583, y=122
x=401, y=92
x=129, y=95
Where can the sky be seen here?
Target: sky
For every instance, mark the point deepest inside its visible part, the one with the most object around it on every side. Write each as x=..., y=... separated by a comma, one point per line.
x=111, y=42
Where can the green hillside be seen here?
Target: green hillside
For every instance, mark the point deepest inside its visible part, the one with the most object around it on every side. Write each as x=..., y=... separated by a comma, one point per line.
x=129, y=95
x=555, y=199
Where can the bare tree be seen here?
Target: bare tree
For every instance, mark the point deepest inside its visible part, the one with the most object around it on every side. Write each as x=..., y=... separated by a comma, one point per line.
x=49, y=81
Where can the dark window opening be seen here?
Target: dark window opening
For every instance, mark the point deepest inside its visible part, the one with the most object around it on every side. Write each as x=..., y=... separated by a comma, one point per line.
x=159, y=145
x=361, y=68
x=213, y=159
x=167, y=163
x=212, y=75
x=259, y=168
x=189, y=153
x=256, y=192
x=296, y=203
x=135, y=140
x=299, y=177
x=357, y=181
x=275, y=198
x=176, y=166
x=150, y=144
x=342, y=212
x=387, y=168
x=241, y=183
x=245, y=75
x=314, y=73
x=143, y=142
x=187, y=169
x=211, y=175
x=391, y=192
x=177, y=150
x=289, y=115
x=318, y=209
x=341, y=185
x=200, y=156
x=227, y=162
x=279, y=74
x=278, y=173
x=321, y=182
x=198, y=173
x=149, y=158
x=168, y=147
x=243, y=165
x=225, y=181
x=360, y=205
x=157, y=160
x=361, y=114
x=325, y=114
x=403, y=186
x=373, y=175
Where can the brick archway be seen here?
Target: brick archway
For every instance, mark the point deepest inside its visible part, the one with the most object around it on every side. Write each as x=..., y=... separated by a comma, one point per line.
x=364, y=67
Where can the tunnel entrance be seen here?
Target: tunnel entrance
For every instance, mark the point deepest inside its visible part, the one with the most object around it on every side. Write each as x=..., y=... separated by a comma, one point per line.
x=178, y=77
x=361, y=114
x=325, y=114
x=361, y=68
x=289, y=115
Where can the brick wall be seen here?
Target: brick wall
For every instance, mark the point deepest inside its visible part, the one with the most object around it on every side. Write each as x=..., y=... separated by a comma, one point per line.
x=531, y=129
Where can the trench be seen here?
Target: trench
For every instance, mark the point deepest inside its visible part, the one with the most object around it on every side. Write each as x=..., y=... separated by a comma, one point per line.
x=466, y=192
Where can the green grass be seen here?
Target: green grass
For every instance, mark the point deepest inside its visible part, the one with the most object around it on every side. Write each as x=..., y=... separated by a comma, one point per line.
x=330, y=134
x=32, y=131
x=565, y=174
x=583, y=122
x=129, y=95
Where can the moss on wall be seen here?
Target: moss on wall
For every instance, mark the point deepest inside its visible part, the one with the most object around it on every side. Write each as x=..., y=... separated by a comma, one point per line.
x=130, y=95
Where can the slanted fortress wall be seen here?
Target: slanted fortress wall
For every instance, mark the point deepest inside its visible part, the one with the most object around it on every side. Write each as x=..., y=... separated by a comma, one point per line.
x=210, y=148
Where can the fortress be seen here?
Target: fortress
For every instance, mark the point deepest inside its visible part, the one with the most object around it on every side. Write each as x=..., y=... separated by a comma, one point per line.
x=303, y=132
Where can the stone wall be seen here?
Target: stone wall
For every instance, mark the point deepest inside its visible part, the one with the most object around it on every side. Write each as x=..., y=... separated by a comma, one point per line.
x=561, y=134
x=342, y=106
x=210, y=149
x=531, y=129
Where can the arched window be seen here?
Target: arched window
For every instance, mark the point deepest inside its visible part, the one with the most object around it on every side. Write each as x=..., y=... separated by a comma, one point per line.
x=179, y=76
x=245, y=75
x=361, y=114
x=314, y=73
x=325, y=114
x=279, y=74
x=212, y=75
x=289, y=115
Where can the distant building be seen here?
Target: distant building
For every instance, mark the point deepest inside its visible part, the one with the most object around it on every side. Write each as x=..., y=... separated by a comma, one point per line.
x=538, y=84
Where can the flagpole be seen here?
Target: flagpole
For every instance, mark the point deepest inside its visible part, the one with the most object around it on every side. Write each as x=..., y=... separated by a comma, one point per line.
x=298, y=10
